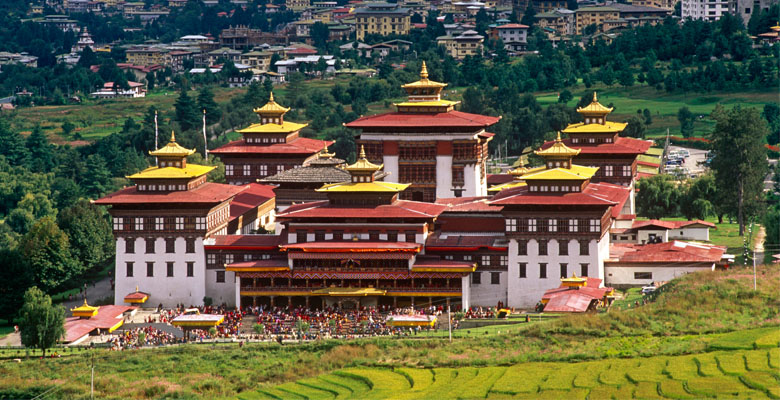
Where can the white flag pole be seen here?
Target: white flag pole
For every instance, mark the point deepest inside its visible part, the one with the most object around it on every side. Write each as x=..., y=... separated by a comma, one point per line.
x=205, y=141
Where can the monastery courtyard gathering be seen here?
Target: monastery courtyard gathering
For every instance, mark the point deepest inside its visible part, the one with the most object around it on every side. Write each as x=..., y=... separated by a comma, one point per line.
x=416, y=253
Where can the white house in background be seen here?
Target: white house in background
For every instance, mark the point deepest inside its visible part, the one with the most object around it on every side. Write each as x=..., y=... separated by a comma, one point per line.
x=285, y=67
x=709, y=10
x=111, y=91
x=658, y=231
x=514, y=36
x=639, y=265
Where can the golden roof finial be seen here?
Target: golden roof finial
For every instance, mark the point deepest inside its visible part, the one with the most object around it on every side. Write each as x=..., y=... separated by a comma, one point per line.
x=424, y=71
x=558, y=139
x=136, y=288
x=271, y=97
x=173, y=137
x=595, y=97
x=362, y=151
x=362, y=164
x=324, y=153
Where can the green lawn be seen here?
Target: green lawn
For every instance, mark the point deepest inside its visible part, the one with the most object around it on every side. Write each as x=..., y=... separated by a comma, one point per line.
x=631, y=296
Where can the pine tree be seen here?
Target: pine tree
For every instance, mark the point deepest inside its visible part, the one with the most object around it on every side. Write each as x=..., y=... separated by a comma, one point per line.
x=13, y=148
x=186, y=111
x=206, y=102
x=41, y=152
x=98, y=177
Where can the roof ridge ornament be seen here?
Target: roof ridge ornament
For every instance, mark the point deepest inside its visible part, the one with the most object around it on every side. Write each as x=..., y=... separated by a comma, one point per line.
x=424, y=71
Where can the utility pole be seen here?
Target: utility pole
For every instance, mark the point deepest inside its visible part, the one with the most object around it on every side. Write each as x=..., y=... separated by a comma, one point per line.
x=92, y=381
x=449, y=322
x=755, y=285
x=205, y=141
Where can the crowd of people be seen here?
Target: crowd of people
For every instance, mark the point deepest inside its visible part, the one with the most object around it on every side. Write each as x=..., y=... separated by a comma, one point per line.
x=141, y=336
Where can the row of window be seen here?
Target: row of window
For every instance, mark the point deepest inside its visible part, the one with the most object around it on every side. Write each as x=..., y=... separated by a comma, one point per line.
x=554, y=188
x=495, y=278
x=609, y=170
x=417, y=173
x=161, y=188
x=169, y=270
x=228, y=258
x=170, y=245
x=564, y=268
x=158, y=223
x=572, y=225
x=246, y=169
x=485, y=260
x=544, y=248
x=392, y=236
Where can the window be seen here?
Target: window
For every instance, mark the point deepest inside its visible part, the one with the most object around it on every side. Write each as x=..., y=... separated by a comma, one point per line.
x=247, y=170
x=626, y=170
x=522, y=269
x=485, y=260
x=228, y=259
x=531, y=225
x=300, y=237
x=564, y=270
x=200, y=222
x=279, y=168
x=511, y=225
x=129, y=269
x=643, y=275
x=179, y=223
x=467, y=258
x=522, y=247
x=543, y=270
x=583, y=269
x=211, y=259
x=553, y=225
x=608, y=170
x=150, y=245
x=129, y=245
x=170, y=245
x=495, y=278
x=595, y=226
x=563, y=247
x=119, y=223
x=392, y=236
x=410, y=236
x=169, y=267
x=584, y=247
x=373, y=235
x=319, y=236
x=139, y=224
x=476, y=278
x=190, y=245
x=150, y=269
x=220, y=276
x=190, y=268
x=229, y=169
x=542, y=247
x=263, y=170
x=338, y=235
x=573, y=225
x=503, y=261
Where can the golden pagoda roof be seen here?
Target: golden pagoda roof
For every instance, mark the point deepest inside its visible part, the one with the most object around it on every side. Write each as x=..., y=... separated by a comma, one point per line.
x=424, y=82
x=85, y=310
x=359, y=187
x=606, y=127
x=558, y=150
x=285, y=127
x=342, y=291
x=172, y=149
x=574, y=281
x=323, y=154
x=595, y=108
x=362, y=164
x=190, y=171
x=576, y=172
x=271, y=108
x=775, y=28
x=508, y=185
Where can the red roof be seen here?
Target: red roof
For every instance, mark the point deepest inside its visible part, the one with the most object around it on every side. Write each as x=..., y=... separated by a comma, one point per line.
x=670, y=224
x=521, y=196
x=207, y=193
x=666, y=253
x=435, y=262
x=497, y=179
x=469, y=204
x=243, y=242
x=136, y=296
x=609, y=191
x=419, y=25
x=424, y=120
x=575, y=299
x=254, y=196
x=272, y=262
x=353, y=246
x=297, y=146
x=640, y=175
x=622, y=145
x=648, y=163
x=399, y=209
x=106, y=318
x=301, y=51
x=512, y=26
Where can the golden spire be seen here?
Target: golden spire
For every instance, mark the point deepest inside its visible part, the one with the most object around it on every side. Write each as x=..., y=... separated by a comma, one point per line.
x=136, y=288
x=558, y=139
x=558, y=150
x=595, y=98
x=173, y=137
x=362, y=164
x=595, y=108
x=519, y=171
x=424, y=71
x=362, y=151
x=324, y=153
x=271, y=97
x=172, y=149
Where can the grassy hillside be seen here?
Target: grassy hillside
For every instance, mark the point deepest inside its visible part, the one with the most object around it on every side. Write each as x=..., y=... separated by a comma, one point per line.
x=696, y=314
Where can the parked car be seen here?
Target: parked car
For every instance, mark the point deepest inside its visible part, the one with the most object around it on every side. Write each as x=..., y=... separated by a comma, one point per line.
x=648, y=289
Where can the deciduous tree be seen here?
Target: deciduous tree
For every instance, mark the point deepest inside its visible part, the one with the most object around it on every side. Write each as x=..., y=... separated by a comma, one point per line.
x=657, y=197
x=41, y=323
x=16, y=278
x=47, y=249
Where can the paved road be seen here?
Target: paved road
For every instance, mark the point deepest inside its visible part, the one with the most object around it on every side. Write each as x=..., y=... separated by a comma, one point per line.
x=694, y=162
x=769, y=183
x=95, y=291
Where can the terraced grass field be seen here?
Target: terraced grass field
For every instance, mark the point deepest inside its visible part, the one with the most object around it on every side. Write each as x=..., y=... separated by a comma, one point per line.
x=751, y=374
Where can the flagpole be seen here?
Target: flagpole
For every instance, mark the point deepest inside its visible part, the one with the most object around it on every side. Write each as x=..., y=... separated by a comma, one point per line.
x=205, y=141
x=155, y=130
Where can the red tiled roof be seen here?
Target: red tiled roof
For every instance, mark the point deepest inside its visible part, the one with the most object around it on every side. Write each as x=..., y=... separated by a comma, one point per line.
x=623, y=145
x=254, y=196
x=301, y=51
x=670, y=224
x=648, y=164
x=463, y=243
x=207, y=193
x=521, y=196
x=399, y=209
x=435, y=262
x=419, y=25
x=469, y=204
x=272, y=262
x=353, y=246
x=136, y=296
x=666, y=253
x=512, y=26
x=424, y=120
x=296, y=146
x=243, y=242
x=106, y=318
x=574, y=299
x=626, y=217
x=497, y=179
x=459, y=223
x=608, y=191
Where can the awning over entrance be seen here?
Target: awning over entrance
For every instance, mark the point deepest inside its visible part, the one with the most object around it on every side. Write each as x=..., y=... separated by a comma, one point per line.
x=435, y=264
x=350, y=292
x=198, y=320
